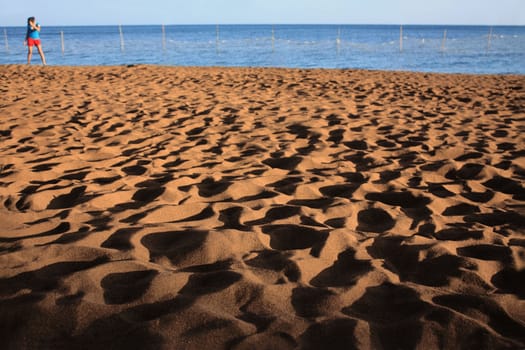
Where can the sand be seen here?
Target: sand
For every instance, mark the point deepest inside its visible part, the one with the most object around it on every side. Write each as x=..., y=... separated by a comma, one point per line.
x=259, y=208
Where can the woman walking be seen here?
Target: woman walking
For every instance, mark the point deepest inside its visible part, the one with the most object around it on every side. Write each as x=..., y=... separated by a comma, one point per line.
x=33, y=39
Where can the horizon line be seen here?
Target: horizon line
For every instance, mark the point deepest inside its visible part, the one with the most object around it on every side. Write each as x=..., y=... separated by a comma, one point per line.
x=283, y=24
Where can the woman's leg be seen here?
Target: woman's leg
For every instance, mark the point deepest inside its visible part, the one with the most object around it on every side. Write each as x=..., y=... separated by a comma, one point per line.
x=41, y=52
x=29, y=53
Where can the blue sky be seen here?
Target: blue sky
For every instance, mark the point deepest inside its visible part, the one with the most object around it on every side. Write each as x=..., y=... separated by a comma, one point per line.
x=70, y=12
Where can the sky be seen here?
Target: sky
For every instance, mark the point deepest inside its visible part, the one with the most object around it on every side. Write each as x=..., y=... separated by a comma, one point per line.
x=100, y=12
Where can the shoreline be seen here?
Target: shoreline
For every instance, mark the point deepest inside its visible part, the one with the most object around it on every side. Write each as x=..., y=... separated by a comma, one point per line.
x=134, y=65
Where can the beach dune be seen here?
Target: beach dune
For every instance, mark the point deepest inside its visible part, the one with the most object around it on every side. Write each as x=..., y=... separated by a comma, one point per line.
x=254, y=208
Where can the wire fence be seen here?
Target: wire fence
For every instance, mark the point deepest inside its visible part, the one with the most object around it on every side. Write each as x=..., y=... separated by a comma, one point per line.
x=494, y=49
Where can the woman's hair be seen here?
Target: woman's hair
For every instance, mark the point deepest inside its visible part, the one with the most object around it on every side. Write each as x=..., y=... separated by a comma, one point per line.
x=30, y=19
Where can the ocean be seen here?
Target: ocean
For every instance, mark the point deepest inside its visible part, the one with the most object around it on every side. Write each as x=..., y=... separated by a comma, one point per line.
x=425, y=48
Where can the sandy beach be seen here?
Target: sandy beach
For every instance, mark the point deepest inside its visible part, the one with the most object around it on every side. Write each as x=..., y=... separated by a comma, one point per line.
x=148, y=207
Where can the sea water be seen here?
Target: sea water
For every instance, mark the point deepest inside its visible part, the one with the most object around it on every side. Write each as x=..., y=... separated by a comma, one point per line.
x=448, y=49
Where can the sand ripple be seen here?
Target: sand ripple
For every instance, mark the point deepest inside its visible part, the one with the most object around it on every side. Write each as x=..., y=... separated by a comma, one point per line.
x=153, y=207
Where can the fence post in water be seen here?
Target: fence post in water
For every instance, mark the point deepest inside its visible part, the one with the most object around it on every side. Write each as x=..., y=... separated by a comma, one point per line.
x=338, y=40
x=489, y=39
x=121, y=38
x=6, y=41
x=217, y=38
x=62, y=41
x=444, y=40
x=273, y=38
x=401, y=38
x=163, y=38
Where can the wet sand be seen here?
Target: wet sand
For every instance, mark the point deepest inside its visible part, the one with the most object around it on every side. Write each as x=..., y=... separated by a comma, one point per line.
x=168, y=207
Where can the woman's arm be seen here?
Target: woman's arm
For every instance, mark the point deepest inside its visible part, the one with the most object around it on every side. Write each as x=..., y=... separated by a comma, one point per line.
x=34, y=26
